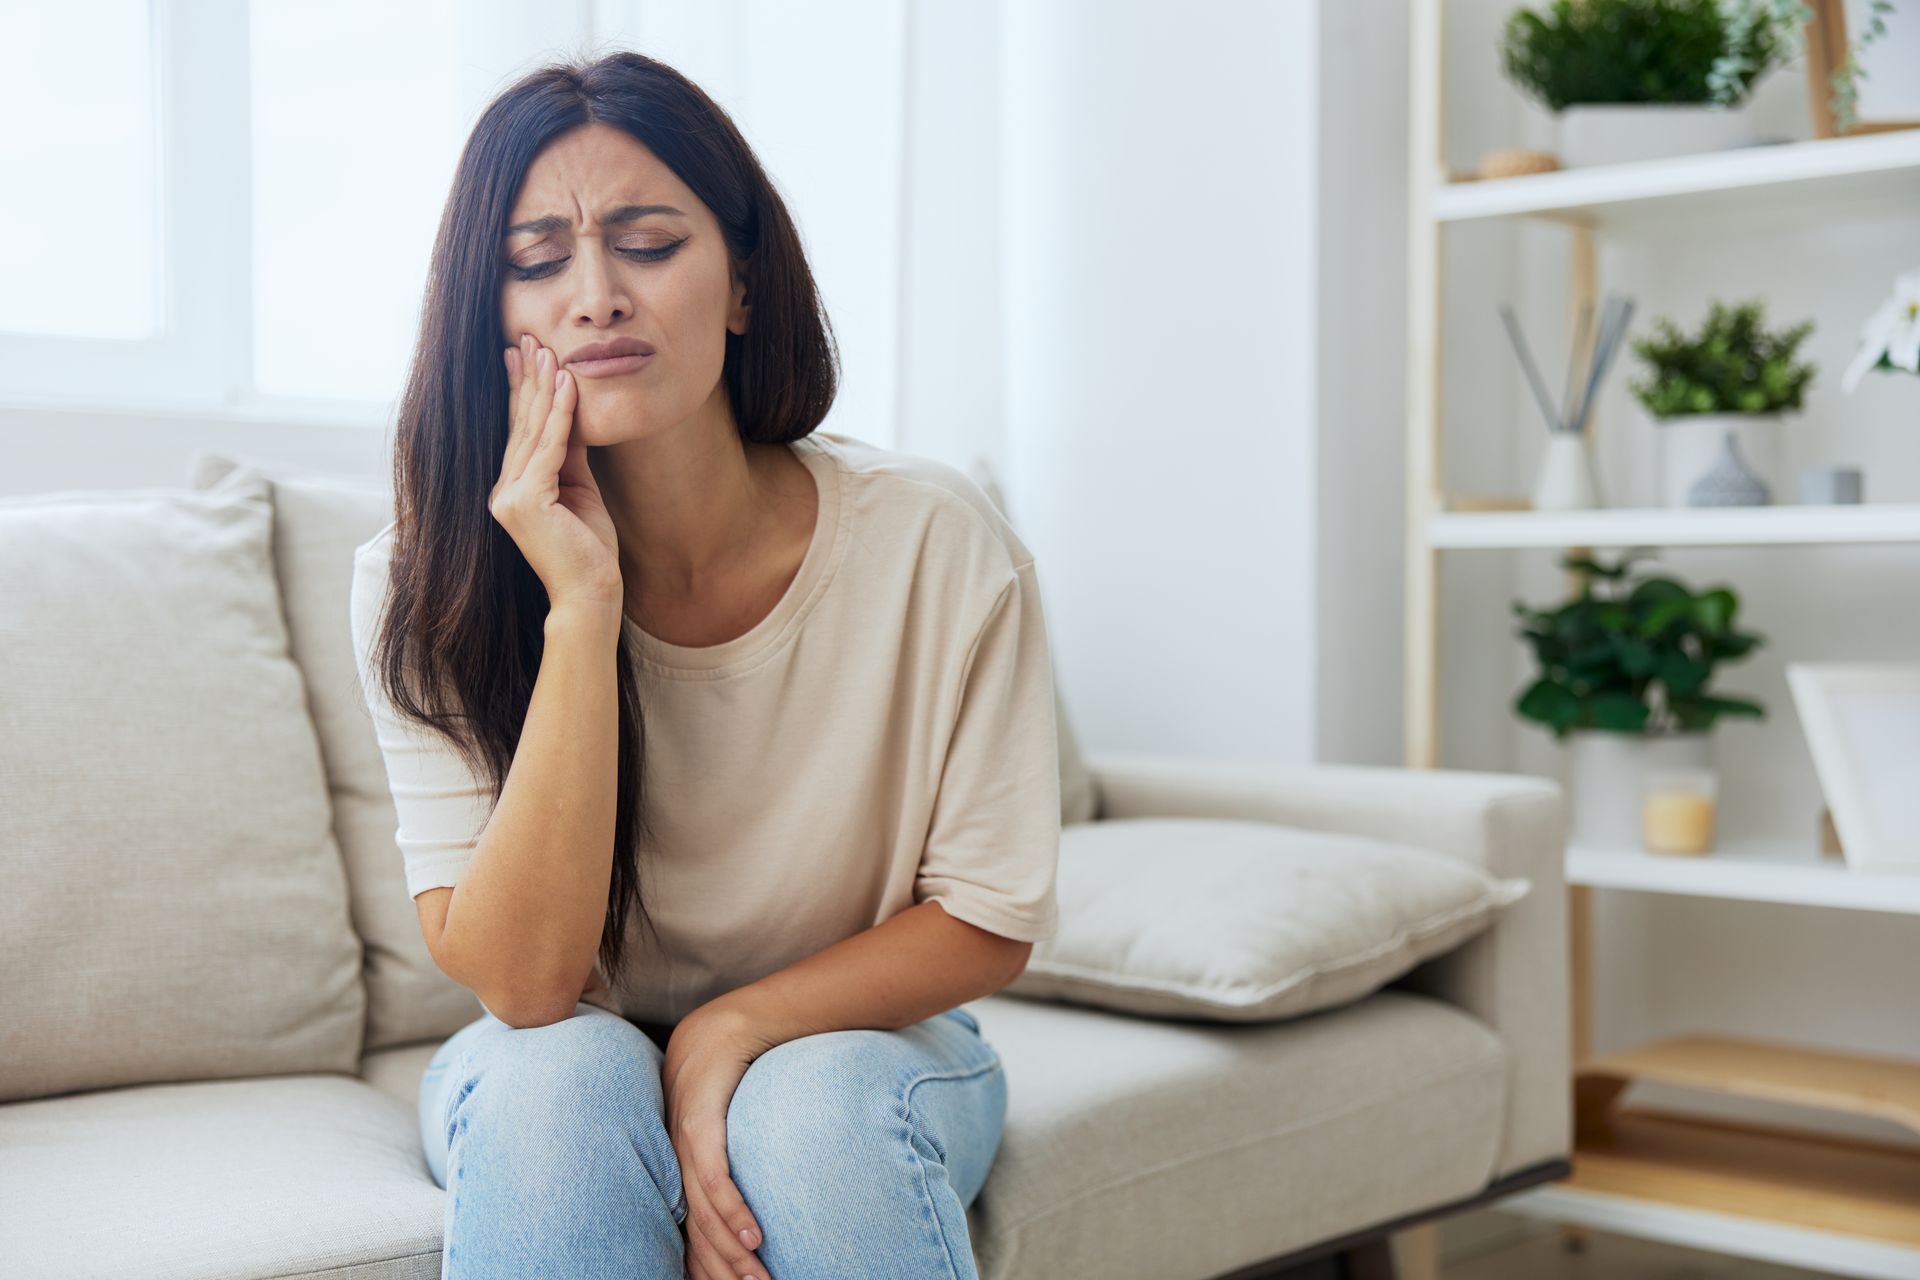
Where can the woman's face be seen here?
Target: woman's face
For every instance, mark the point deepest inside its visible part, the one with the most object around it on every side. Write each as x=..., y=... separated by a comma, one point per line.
x=623, y=249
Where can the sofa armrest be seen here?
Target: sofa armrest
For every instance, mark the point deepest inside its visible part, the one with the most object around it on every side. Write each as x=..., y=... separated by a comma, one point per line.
x=1513, y=976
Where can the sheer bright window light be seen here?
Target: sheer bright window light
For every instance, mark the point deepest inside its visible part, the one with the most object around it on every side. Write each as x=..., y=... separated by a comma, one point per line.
x=358, y=121
x=81, y=153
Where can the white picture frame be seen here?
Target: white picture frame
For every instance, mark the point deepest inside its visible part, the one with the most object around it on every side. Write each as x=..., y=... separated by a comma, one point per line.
x=1862, y=725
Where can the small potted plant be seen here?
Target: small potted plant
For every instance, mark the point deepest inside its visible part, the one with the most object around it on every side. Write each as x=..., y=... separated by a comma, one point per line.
x=1642, y=79
x=1717, y=399
x=1623, y=681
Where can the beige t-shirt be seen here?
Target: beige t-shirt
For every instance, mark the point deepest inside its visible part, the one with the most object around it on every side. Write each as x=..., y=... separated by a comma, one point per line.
x=883, y=737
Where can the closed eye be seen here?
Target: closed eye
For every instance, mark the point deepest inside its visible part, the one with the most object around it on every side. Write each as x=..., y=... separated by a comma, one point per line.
x=540, y=270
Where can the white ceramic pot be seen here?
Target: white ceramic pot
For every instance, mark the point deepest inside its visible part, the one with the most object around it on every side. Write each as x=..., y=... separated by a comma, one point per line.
x=1565, y=481
x=1622, y=132
x=1691, y=444
x=1604, y=777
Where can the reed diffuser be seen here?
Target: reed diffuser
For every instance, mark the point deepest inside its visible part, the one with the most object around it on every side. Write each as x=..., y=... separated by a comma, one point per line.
x=1566, y=479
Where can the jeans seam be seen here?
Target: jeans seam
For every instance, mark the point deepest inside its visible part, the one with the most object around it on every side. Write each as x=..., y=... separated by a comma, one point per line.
x=906, y=1114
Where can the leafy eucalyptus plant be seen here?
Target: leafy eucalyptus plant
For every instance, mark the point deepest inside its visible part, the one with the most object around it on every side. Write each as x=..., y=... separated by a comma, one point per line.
x=1734, y=364
x=1634, y=660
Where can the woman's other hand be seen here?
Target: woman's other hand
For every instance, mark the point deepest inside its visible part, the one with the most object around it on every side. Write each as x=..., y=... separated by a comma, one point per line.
x=705, y=1058
x=546, y=497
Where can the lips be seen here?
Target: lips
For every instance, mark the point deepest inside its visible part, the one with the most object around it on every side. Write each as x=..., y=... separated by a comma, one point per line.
x=610, y=350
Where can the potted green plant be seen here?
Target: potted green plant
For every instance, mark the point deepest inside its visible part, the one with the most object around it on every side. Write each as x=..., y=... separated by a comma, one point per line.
x=1717, y=398
x=1635, y=79
x=1643, y=79
x=1623, y=678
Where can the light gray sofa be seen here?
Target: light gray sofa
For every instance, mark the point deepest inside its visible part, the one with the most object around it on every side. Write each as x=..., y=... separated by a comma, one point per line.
x=252, y=1114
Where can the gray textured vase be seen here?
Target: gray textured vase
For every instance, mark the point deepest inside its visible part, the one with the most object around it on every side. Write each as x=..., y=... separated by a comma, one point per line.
x=1729, y=482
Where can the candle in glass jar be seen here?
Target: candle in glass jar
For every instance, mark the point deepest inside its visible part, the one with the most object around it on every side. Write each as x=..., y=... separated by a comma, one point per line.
x=1677, y=819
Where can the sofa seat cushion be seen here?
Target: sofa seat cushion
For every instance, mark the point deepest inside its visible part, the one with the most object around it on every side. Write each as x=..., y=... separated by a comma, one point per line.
x=1139, y=1147
x=296, y=1175
x=398, y=1069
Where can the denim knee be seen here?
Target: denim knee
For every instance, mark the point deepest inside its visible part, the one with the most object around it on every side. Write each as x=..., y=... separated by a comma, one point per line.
x=806, y=1097
x=556, y=1099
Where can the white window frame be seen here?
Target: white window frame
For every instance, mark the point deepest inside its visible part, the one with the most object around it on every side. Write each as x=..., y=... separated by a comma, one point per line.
x=200, y=360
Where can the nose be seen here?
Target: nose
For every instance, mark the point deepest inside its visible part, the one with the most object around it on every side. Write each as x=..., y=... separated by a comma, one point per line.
x=601, y=294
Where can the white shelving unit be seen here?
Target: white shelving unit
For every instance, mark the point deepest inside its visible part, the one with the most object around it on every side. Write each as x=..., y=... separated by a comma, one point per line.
x=1677, y=526
x=1841, y=1206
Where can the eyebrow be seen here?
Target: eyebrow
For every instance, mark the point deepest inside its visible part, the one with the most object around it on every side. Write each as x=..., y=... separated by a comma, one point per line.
x=623, y=213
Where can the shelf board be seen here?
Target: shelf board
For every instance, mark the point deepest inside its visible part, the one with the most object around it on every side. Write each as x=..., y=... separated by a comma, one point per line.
x=1773, y=524
x=1885, y=1088
x=1841, y=174
x=1835, y=1205
x=1752, y=871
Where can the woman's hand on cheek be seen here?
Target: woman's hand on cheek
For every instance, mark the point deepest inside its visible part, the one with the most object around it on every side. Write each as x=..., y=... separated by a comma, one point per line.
x=705, y=1060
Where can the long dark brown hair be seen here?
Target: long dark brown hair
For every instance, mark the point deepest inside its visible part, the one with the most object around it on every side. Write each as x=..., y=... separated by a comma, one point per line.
x=462, y=628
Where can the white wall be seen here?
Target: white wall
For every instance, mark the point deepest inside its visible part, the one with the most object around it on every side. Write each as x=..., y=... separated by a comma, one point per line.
x=1161, y=356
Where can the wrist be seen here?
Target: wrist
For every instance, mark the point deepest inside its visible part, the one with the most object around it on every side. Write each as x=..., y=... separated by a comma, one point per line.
x=594, y=617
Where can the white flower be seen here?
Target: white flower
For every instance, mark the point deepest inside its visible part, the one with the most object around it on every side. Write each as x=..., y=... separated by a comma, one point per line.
x=1892, y=331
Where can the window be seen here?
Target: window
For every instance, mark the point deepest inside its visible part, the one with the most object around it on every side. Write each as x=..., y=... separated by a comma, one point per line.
x=234, y=214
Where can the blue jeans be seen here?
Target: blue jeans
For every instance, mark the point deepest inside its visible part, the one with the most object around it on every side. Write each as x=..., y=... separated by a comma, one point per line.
x=858, y=1151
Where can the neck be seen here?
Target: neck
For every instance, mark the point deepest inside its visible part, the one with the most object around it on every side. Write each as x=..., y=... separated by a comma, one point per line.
x=689, y=503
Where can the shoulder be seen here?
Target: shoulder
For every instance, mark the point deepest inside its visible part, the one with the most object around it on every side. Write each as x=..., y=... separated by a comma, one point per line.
x=371, y=562
x=932, y=504
x=380, y=545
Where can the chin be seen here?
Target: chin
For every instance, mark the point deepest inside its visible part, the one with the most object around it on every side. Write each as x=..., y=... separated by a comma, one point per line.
x=611, y=418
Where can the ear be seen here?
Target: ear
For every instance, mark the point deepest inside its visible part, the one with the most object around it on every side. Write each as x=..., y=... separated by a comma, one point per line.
x=739, y=312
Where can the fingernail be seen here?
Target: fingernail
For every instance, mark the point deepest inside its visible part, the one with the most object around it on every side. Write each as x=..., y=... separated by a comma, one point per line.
x=563, y=378
x=546, y=360
x=746, y=1238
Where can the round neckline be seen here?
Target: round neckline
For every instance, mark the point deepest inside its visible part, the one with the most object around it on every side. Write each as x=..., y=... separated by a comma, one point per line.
x=729, y=657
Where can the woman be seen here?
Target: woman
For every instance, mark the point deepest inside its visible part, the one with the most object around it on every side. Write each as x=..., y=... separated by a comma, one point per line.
x=722, y=747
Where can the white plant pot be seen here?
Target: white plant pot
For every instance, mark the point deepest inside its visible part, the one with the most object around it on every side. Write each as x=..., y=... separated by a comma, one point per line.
x=1605, y=772
x=1565, y=480
x=1691, y=444
x=1621, y=132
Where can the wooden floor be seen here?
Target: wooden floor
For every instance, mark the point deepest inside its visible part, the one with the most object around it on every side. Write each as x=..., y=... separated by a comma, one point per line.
x=1490, y=1245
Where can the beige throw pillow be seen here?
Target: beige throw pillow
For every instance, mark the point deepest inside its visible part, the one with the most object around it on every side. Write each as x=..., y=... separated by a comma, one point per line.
x=172, y=902
x=1234, y=920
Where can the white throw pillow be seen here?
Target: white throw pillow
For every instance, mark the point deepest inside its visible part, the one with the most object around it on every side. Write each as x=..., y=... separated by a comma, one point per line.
x=1235, y=920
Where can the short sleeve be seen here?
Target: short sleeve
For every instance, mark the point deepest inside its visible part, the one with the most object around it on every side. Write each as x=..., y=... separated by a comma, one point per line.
x=993, y=845
x=440, y=806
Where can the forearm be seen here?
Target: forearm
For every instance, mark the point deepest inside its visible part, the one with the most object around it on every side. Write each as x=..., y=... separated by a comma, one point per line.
x=906, y=969
x=530, y=907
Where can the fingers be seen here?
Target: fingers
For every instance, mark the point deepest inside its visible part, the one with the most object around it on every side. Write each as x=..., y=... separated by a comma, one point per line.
x=537, y=406
x=717, y=1214
x=736, y=1218
x=519, y=378
x=551, y=445
x=532, y=401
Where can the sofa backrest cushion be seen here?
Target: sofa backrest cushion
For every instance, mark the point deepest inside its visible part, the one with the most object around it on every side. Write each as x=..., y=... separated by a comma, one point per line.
x=318, y=521
x=172, y=903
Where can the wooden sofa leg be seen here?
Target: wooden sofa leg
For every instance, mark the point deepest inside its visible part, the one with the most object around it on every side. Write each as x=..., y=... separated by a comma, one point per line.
x=1409, y=1254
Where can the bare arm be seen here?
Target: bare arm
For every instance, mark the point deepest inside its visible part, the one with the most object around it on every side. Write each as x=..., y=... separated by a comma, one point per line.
x=522, y=927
